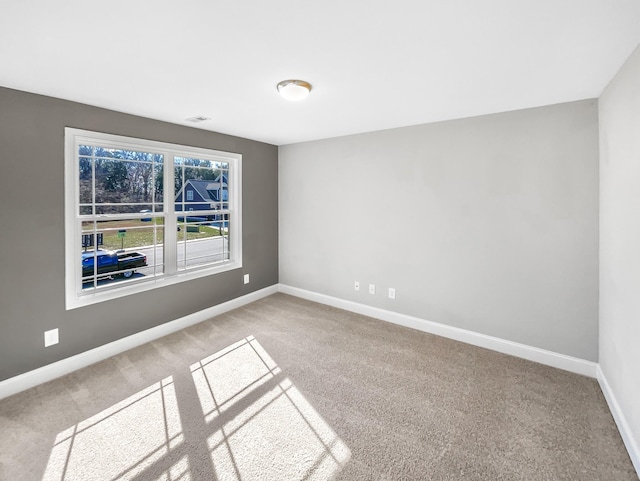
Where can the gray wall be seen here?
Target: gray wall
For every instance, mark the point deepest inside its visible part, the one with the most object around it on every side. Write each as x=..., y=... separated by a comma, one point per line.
x=488, y=223
x=32, y=232
x=619, y=108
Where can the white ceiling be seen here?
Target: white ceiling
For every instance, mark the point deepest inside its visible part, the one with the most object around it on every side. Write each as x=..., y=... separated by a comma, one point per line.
x=373, y=64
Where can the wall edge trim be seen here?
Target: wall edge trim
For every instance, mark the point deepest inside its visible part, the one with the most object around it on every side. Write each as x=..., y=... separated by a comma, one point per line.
x=43, y=374
x=524, y=351
x=621, y=421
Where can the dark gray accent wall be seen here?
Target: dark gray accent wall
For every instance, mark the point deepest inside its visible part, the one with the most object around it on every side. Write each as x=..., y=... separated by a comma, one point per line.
x=32, y=232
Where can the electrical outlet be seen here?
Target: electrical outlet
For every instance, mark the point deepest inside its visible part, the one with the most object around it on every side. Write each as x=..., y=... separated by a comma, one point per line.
x=51, y=337
x=372, y=289
x=356, y=285
x=392, y=293
x=246, y=278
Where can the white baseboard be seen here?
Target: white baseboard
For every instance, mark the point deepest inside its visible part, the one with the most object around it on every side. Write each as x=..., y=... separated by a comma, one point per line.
x=542, y=356
x=621, y=421
x=65, y=366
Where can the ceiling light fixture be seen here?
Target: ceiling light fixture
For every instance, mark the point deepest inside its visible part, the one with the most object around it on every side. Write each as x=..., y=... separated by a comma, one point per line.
x=294, y=89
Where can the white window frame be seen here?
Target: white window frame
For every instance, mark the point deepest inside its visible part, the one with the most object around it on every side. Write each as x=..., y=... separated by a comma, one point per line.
x=74, y=295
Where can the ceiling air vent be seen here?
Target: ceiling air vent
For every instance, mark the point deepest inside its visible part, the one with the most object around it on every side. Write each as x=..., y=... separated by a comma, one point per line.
x=199, y=118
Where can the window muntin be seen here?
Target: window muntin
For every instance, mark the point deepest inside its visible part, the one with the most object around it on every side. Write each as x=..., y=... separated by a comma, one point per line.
x=127, y=198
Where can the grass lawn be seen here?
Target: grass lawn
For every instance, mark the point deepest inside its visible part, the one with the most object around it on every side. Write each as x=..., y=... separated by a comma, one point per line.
x=139, y=233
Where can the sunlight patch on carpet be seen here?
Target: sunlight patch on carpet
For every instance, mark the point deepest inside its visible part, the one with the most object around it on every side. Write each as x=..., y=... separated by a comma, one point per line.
x=124, y=441
x=263, y=427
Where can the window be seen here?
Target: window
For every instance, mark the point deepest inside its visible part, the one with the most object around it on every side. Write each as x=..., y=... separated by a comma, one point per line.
x=126, y=222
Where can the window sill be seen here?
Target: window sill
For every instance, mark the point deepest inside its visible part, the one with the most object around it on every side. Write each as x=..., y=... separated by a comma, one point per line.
x=74, y=301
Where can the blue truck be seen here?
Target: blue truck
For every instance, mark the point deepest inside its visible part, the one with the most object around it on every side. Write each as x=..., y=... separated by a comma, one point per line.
x=111, y=263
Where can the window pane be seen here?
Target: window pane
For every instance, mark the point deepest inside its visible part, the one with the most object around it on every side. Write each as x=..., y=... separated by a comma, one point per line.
x=121, y=250
x=200, y=185
x=124, y=182
x=158, y=184
x=124, y=154
x=86, y=177
x=201, y=243
x=119, y=179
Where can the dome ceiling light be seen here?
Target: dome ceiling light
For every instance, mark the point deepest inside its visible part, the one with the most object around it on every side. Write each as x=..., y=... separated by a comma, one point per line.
x=294, y=89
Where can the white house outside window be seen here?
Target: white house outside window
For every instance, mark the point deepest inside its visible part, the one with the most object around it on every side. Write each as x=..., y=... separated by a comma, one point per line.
x=129, y=228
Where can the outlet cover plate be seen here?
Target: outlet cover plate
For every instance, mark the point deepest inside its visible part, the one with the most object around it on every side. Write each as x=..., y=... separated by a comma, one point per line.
x=51, y=337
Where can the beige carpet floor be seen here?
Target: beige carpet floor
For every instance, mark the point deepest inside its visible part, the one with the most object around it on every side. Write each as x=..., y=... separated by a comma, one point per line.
x=288, y=390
